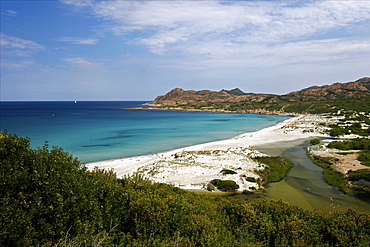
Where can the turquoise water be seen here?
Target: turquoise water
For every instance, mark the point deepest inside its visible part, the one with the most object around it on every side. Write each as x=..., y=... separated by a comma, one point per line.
x=95, y=131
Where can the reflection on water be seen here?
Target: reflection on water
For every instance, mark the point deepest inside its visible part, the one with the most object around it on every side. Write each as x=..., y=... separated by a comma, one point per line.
x=304, y=185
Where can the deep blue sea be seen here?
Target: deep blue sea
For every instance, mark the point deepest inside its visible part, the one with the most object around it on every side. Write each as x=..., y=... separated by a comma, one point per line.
x=95, y=131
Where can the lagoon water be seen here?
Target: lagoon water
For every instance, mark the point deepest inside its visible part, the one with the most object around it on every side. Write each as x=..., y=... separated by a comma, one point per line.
x=305, y=186
x=95, y=131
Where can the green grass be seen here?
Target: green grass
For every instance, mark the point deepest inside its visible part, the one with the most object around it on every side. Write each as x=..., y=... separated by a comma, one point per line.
x=335, y=179
x=331, y=176
x=364, y=158
x=345, y=153
x=227, y=171
x=277, y=168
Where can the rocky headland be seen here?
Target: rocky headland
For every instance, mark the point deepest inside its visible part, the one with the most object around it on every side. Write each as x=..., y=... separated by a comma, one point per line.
x=315, y=99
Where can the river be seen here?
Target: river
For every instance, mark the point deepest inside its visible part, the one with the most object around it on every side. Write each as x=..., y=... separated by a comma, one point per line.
x=304, y=185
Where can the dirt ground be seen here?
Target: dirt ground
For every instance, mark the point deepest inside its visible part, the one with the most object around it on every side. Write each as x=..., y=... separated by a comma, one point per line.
x=342, y=162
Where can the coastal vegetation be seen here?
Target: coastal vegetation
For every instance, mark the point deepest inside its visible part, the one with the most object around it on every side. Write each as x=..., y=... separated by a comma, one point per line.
x=225, y=185
x=357, y=181
x=357, y=124
x=356, y=144
x=331, y=176
x=276, y=169
x=281, y=107
x=315, y=141
x=360, y=180
x=228, y=171
x=49, y=199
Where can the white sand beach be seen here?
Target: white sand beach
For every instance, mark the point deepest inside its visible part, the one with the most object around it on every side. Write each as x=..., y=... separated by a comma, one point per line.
x=195, y=166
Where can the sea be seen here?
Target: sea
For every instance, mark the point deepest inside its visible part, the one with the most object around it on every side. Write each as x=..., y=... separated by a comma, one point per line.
x=102, y=130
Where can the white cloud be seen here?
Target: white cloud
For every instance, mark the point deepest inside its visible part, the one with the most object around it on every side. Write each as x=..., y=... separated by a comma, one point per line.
x=240, y=33
x=10, y=13
x=85, y=63
x=17, y=53
x=218, y=54
x=78, y=3
x=78, y=40
x=18, y=65
x=14, y=46
x=170, y=23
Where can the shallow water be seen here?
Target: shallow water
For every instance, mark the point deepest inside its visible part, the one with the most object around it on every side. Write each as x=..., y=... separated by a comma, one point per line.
x=305, y=186
x=95, y=131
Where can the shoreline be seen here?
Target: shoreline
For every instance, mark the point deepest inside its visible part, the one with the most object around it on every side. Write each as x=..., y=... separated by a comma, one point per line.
x=193, y=167
x=152, y=106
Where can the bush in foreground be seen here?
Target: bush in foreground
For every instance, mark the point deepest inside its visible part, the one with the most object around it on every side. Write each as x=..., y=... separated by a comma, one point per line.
x=49, y=199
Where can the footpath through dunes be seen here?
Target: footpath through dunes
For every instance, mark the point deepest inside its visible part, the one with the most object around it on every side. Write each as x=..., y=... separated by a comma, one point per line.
x=195, y=166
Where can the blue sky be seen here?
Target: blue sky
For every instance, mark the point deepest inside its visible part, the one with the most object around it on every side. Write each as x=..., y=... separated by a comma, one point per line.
x=137, y=50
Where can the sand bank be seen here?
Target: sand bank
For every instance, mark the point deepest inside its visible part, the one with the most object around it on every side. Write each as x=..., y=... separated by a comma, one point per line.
x=195, y=166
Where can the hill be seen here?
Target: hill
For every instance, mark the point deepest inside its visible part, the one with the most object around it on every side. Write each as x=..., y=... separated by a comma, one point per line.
x=350, y=96
x=359, y=88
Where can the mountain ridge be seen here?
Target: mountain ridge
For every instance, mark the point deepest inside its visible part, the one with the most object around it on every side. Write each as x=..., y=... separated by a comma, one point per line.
x=358, y=88
x=353, y=95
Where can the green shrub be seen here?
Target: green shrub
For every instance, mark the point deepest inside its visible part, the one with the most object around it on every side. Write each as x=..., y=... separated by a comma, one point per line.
x=276, y=170
x=359, y=174
x=355, y=128
x=315, y=141
x=227, y=171
x=336, y=179
x=364, y=158
x=225, y=185
x=337, y=131
x=360, y=181
x=356, y=144
x=331, y=176
x=50, y=194
x=210, y=187
x=251, y=179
